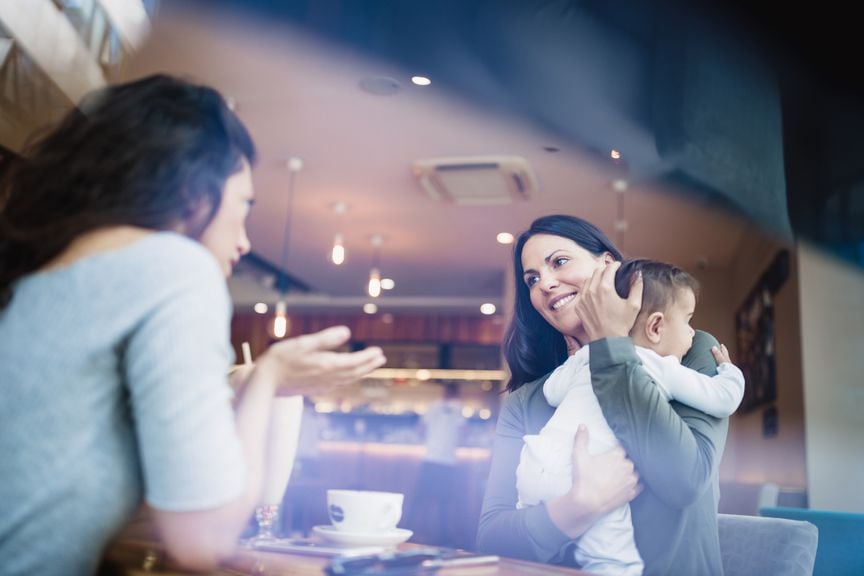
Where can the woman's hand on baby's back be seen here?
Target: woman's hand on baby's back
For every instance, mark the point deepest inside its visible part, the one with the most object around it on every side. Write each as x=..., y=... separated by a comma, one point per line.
x=601, y=483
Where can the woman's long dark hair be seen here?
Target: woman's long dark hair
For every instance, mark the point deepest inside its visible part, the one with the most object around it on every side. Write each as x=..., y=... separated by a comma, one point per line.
x=153, y=153
x=531, y=346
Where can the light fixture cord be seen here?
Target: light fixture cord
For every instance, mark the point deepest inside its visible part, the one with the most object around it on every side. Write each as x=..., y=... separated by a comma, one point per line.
x=620, y=223
x=283, y=284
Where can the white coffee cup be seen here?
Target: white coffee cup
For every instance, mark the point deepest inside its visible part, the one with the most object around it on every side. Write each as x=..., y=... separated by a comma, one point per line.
x=364, y=511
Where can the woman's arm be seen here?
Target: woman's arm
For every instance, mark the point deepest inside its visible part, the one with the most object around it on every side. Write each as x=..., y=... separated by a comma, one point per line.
x=601, y=483
x=675, y=447
x=527, y=533
x=198, y=539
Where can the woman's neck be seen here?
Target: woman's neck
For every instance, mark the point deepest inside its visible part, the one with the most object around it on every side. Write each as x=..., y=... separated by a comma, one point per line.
x=573, y=343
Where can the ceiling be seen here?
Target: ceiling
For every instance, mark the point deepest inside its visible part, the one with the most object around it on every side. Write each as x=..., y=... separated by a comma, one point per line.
x=301, y=96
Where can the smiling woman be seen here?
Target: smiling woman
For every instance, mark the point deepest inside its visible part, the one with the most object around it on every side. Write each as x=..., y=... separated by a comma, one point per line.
x=533, y=346
x=566, y=298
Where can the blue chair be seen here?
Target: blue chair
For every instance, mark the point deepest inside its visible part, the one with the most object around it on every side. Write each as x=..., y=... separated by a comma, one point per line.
x=754, y=546
x=841, y=539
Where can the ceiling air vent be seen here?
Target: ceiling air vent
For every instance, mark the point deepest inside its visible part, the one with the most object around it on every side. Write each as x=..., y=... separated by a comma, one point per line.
x=476, y=180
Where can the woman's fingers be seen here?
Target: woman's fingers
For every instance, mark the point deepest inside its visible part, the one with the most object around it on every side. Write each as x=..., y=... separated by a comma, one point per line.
x=603, y=313
x=608, y=479
x=354, y=368
x=308, y=361
x=580, y=442
x=326, y=339
x=346, y=365
x=637, y=286
x=607, y=275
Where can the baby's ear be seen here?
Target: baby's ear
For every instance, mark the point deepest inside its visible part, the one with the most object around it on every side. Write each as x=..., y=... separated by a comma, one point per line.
x=654, y=327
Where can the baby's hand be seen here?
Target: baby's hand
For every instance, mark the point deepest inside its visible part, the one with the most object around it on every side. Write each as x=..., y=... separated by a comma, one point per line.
x=721, y=354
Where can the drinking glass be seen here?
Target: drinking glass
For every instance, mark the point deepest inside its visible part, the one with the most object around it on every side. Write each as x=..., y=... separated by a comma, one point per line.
x=282, y=439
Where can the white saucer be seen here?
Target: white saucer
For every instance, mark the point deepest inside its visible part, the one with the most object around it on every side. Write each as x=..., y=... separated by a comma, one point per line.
x=385, y=538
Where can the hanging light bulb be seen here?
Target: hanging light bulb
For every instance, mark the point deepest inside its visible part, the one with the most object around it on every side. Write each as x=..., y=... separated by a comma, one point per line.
x=337, y=254
x=280, y=321
x=374, y=288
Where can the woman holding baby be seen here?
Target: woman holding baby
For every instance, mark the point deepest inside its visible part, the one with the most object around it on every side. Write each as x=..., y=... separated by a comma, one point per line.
x=669, y=452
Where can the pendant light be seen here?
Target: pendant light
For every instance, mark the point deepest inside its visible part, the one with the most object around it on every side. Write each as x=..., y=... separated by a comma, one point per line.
x=281, y=322
x=373, y=287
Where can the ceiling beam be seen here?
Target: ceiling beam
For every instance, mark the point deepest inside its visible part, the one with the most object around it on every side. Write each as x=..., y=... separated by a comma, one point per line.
x=129, y=20
x=52, y=43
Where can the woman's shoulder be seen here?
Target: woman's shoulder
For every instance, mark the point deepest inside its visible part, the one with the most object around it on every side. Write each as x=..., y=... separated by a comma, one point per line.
x=529, y=389
x=168, y=255
x=528, y=405
x=158, y=266
x=702, y=339
x=699, y=357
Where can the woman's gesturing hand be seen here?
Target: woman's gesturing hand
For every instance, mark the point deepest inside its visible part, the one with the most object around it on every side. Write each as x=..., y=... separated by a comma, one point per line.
x=308, y=362
x=601, y=483
x=603, y=312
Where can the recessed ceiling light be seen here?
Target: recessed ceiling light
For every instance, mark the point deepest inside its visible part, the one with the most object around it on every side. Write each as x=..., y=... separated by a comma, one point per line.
x=370, y=308
x=388, y=283
x=615, y=154
x=619, y=185
x=340, y=207
x=487, y=308
x=421, y=80
x=504, y=238
x=261, y=308
x=294, y=163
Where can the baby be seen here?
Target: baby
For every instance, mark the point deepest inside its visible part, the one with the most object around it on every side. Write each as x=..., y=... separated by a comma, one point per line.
x=662, y=335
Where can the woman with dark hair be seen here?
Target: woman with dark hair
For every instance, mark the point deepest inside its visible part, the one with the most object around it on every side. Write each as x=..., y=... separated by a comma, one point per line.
x=116, y=236
x=565, y=299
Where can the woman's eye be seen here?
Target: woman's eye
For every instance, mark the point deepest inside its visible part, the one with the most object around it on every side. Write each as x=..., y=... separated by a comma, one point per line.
x=560, y=261
x=531, y=280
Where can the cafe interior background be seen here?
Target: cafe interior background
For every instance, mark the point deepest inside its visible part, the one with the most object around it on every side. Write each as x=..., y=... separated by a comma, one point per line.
x=403, y=139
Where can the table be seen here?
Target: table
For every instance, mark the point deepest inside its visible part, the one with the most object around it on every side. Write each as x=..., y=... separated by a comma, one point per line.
x=143, y=557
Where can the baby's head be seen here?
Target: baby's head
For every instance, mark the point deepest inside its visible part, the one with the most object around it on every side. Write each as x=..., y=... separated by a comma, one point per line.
x=668, y=302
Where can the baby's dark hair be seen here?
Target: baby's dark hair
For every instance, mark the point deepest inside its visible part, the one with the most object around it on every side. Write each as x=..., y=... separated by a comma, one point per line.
x=661, y=282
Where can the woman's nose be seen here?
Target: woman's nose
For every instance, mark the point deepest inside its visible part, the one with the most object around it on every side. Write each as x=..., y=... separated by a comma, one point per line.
x=244, y=245
x=548, y=282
